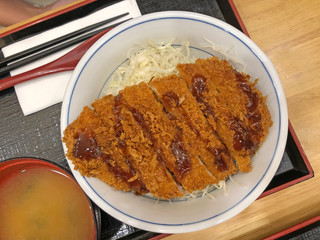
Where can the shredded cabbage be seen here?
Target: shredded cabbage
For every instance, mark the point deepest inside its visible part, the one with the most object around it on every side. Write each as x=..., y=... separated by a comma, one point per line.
x=152, y=61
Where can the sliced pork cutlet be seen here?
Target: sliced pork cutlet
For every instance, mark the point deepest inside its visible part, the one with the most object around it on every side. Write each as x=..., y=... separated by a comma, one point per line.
x=250, y=103
x=94, y=155
x=184, y=109
x=167, y=140
x=213, y=98
x=137, y=148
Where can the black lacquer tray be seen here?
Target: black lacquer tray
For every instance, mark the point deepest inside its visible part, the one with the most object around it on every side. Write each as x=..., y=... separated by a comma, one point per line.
x=38, y=135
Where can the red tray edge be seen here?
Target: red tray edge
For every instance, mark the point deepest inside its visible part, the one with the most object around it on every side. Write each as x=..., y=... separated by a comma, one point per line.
x=293, y=228
x=54, y=14
x=298, y=180
x=236, y=13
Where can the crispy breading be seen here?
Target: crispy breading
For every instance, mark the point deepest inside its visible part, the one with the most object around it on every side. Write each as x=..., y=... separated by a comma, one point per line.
x=238, y=85
x=138, y=149
x=225, y=105
x=94, y=167
x=110, y=142
x=179, y=102
x=175, y=134
x=168, y=140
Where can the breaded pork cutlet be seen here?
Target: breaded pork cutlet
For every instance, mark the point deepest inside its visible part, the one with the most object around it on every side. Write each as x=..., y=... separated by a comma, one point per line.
x=218, y=114
x=225, y=101
x=184, y=109
x=90, y=149
x=167, y=140
x=137, y=148
x=257, y=118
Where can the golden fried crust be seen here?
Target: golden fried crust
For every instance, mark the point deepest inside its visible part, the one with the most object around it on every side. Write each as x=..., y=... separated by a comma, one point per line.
x=239, y=103
x=176, y=131
x=94, y=167
x=221, y=113
x=179, y=102
x=167, y=140
x=229, y=103
x=153, y=172
x=110, y=141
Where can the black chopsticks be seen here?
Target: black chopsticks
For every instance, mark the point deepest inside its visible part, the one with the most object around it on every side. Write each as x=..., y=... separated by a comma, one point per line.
x=52, y=45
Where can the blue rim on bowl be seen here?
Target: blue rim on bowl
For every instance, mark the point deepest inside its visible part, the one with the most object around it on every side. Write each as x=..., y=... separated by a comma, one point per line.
x=281, y=134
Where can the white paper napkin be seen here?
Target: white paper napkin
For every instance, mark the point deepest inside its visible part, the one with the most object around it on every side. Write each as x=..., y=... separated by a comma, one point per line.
x=42, y=92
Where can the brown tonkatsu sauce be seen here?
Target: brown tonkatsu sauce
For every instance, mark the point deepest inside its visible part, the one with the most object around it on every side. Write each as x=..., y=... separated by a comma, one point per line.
x=253, y=113
x=171, y=99
x=199, y=86
x=179, y=151
x=87, y=148
x=241, y=138
x=218, y=158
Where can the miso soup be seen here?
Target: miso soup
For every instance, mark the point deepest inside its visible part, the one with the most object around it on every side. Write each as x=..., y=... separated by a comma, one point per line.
x=42, y=203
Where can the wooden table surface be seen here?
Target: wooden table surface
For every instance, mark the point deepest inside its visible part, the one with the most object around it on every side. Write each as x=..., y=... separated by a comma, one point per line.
x=289, y=33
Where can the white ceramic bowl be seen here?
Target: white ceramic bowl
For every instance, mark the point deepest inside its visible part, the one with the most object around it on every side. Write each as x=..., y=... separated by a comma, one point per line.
x=110, y=51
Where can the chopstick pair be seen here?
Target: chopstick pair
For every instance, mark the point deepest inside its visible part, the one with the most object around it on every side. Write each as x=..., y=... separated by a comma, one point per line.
x=52, y=46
